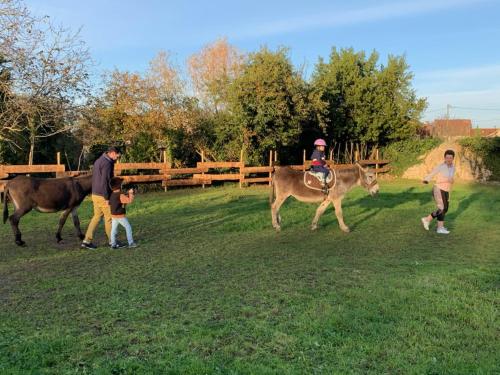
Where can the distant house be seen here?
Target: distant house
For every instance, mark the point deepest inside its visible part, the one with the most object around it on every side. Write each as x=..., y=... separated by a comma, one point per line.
x=451, y=128
x=455, y=128
x=489, y=132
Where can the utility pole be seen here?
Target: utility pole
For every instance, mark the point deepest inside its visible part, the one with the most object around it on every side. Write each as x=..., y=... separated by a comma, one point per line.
x=448, y=107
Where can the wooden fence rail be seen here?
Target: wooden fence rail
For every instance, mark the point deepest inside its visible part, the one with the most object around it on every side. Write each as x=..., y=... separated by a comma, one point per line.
x=41, y=168
x=6, y=170
x=203, y=174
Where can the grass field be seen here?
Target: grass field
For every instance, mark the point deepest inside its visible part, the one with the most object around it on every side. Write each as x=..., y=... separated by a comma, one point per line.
x=213, y=289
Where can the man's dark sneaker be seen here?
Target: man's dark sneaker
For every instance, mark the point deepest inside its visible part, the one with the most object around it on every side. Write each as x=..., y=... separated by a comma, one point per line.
x=113, y=247
x=132, y=245
x=88, y=245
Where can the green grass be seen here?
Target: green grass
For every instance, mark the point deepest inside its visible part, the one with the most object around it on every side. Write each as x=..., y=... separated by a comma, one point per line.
x=213, y=289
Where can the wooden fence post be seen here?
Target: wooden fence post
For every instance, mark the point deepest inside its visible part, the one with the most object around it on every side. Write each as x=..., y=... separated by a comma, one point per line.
x=58, y=162
x=165, y=188
x=270, y=164
x=117, y=171
x=203, y=173
x=376, y=165
x=242, y=166
x=304, y=160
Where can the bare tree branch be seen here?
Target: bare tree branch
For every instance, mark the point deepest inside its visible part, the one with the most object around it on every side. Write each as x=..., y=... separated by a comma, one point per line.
x=47, y=74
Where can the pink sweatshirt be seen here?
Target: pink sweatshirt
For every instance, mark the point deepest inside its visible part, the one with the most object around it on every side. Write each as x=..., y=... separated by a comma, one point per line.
x=444, y=176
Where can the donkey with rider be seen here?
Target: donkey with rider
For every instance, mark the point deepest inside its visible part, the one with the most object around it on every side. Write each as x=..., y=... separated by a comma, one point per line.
x=314, y=187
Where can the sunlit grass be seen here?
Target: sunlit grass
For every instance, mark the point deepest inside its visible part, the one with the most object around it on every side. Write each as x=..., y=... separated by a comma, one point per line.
x=213, y=289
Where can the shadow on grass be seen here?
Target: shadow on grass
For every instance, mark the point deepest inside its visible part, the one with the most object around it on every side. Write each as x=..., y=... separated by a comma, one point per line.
x=234, y=208
x=374, y=205
x=464, y=204
x=392, y=200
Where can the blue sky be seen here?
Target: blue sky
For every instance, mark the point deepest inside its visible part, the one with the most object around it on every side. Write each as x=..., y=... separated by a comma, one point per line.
x=452, y=46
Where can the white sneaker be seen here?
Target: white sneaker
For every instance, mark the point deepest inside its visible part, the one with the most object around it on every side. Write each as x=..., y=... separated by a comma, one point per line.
x=425, y=223
x=442, y=230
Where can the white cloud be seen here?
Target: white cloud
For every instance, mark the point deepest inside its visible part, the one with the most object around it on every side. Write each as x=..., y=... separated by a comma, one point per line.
x=482, y=77
x=337, y=18
x=460, y=73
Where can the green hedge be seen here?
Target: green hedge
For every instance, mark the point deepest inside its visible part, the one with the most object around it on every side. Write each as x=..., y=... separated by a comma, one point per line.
x=488, y=149
x=404, y=154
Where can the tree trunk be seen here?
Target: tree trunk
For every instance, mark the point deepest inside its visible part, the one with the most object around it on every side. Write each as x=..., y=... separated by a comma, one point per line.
x=32, y=150
x=80, y=159
x=32, y=130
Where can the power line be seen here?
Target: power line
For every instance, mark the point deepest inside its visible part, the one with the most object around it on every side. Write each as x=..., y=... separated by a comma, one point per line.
x=436, y=110
x=488, y=120
x=476, y=108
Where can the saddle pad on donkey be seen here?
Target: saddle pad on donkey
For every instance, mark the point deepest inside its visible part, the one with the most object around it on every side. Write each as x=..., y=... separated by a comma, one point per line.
x=314, y=180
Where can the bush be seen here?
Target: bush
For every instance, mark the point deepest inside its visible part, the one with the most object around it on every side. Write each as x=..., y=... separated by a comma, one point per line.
x=488, y=149
x=404, y=154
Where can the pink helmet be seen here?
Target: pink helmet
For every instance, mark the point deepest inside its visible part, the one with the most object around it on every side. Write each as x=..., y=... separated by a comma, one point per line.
x=319, y=142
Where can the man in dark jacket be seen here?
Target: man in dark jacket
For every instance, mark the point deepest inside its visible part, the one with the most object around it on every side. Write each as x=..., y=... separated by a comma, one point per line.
x=102, y=173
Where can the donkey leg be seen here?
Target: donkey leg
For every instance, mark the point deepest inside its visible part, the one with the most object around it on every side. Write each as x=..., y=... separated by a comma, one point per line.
x=14, y=223
x=337, y=203
x=319, y=211
x=275, y=208
x=76, y=222
x=62, y=221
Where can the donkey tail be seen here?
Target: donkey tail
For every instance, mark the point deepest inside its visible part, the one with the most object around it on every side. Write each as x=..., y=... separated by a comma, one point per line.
x=5, y=205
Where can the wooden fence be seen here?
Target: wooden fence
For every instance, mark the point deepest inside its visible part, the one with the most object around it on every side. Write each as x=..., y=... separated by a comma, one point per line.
x=203, y=174
x=5, y=170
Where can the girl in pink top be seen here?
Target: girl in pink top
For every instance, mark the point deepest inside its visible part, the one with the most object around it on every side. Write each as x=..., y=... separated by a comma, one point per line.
x=441, y=191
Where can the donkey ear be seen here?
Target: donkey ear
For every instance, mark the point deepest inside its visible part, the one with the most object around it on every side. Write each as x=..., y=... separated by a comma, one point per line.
x=361, y=167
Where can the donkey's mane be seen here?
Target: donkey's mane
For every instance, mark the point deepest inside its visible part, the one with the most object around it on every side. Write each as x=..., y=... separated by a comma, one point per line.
x=345, y=170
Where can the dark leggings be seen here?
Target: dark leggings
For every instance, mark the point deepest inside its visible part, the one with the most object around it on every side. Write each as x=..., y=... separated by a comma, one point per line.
x=442, y=197
x=321, y=168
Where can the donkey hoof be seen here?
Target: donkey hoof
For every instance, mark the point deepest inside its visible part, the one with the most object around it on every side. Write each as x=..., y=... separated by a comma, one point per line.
x=278, y=229
x=81, y=237
x=314, y=227
x=59, y=239
x=20, y=243
x=345, y=229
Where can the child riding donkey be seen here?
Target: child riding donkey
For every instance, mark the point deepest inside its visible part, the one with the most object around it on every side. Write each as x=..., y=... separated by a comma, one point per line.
x=318, y=163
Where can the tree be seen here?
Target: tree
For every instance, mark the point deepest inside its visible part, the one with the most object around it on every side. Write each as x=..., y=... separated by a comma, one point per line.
x=358, y=100
x=14, y=21
x=268, y=103
x=212, y=70
x=49, y=70
x=134, y=108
